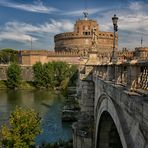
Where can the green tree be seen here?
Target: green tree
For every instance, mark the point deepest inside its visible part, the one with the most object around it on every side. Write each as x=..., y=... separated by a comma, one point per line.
x=13, y=76
x=8, y=55
x=73, y=75
x=62, y=72
x=24, y=126
x=54, y=74
x=49, y=72
x=38, y=75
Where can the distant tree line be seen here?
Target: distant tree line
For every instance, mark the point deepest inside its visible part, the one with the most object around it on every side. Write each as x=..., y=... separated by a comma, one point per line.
x=52, y=75
x=8, y=55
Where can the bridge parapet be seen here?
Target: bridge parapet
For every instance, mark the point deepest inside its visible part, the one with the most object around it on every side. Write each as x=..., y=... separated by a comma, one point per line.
x=132, y=75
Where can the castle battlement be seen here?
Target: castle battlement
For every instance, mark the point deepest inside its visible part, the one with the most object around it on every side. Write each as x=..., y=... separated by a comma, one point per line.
x=33, y=52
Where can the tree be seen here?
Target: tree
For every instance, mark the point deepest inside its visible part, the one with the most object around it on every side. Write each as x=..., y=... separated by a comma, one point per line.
x=73, y=75
x=54, y=74
x=8, y=55
x=24, y=126
x=38, y=75
x=49, y=72
x=61, y=72
x=13, y=76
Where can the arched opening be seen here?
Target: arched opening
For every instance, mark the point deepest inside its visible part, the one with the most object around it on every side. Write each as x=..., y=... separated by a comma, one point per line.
x=108, y=136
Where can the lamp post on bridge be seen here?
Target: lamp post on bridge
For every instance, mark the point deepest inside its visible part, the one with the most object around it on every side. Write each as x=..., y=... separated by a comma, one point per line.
x=115, y=20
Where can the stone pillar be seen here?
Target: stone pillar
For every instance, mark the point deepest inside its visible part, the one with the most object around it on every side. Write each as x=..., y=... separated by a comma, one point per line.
x=133, y=71
x=87, y=97
x=3, y=72
x=111, y=73
x=119, y=74
x=83, y=132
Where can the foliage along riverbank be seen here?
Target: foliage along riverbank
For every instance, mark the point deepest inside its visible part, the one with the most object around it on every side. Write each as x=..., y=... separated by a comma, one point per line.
x=22, y=128
x=52, y=75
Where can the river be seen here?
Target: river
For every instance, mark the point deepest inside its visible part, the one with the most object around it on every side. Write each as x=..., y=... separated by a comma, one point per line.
x=47, y=104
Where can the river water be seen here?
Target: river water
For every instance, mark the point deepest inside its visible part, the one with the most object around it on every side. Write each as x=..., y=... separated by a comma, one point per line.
x=47, y=104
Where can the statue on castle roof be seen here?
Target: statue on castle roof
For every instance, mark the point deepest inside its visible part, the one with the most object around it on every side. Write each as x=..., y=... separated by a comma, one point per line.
x=85, y=15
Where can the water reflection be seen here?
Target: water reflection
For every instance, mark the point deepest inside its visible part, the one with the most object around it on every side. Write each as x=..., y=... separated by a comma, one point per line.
x=46, y=103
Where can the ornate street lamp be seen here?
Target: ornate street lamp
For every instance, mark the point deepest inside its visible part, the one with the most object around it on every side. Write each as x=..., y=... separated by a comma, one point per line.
x=114, y=19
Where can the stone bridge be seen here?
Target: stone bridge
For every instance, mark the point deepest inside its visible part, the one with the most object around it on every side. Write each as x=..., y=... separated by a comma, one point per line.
x=114, y=104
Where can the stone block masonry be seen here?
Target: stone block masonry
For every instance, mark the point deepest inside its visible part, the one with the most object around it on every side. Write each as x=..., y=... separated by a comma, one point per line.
x=27, y=72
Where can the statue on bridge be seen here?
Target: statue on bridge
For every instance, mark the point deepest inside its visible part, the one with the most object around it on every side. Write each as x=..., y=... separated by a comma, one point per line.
x=94, y=40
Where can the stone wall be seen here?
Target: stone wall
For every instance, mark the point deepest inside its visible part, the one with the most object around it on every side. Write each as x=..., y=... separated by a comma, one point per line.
x=3, y=69
x=30, y=57
x=27, y=72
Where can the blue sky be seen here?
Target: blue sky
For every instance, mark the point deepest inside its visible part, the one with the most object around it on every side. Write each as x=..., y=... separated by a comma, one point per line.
x=40, y=20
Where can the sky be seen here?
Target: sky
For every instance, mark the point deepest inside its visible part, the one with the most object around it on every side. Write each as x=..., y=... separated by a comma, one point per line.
x=23, y=21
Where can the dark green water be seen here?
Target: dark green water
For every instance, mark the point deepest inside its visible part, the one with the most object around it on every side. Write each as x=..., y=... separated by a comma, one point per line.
x=52, y=127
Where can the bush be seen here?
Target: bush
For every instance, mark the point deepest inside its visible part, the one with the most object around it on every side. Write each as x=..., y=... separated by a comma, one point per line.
x=25, y=85
x=3, y=84
x=24, y=126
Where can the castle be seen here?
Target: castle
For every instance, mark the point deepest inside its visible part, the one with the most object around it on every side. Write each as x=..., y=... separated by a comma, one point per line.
x=80, y=39
x=70, y=47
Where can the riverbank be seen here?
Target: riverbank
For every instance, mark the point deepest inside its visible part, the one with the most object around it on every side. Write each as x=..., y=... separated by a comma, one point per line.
x=71, y=106
x=22, y=85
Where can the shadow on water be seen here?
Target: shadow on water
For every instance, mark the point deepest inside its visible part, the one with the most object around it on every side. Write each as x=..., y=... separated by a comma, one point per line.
x=52, y=127
x=48, y=105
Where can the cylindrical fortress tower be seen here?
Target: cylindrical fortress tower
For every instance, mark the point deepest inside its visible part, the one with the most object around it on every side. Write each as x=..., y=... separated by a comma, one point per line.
x=80, y=39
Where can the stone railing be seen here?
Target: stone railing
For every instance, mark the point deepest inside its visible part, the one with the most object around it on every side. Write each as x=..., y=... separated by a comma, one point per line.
x=142, y=81
x=132, y=76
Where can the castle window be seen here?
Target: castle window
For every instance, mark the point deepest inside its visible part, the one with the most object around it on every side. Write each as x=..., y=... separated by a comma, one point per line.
x=78, y=30
x=86, y=33
x=83, y=27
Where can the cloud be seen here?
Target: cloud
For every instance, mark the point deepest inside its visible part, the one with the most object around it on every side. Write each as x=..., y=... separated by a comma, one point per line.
x=37, y=7
x=16, y=36
x=129, y=18
x=22, y=32
x=80, y=12
x=132, y=23
x=138, y=6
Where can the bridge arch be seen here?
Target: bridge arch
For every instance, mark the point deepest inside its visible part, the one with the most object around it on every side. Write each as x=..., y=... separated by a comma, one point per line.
x=106, y=115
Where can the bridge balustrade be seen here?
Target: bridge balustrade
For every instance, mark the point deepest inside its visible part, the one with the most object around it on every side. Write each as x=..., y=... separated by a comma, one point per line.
x=131, y=76
x=142, y=81
x=121, y=75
